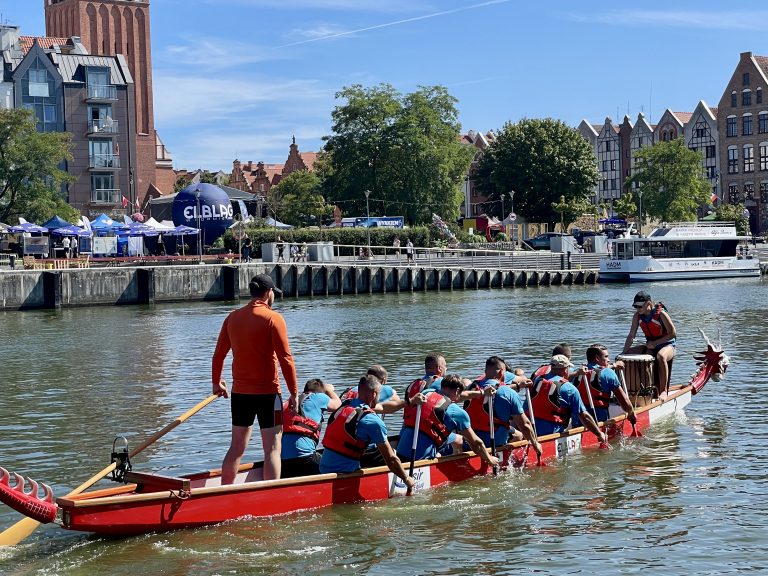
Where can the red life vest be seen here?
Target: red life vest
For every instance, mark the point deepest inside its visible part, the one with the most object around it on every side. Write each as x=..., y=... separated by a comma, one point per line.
x=479, y=417
x=653, y=327
x=415, y=387
x=600, y=398
x=542, y=370
x=341, y=433
x=432, y=417
x=349, y=393
x=546, y=403
x=297, y=423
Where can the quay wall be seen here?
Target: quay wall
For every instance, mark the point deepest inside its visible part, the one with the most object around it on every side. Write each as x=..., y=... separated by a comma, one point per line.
x=32, y=289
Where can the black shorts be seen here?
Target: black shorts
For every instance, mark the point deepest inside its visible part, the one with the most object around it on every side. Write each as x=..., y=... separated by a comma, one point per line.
x=301, y=466
x=267, y=408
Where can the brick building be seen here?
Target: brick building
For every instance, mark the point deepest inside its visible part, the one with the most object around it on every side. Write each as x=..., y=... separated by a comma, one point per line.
x=122, y=27
x=257, y=178
x=91, y=97
x=742, y=122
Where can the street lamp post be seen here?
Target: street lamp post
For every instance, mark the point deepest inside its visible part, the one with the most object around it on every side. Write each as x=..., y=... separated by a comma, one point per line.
x=640, y=223
x=199, y=230
x=513, y=216
x=368, y=218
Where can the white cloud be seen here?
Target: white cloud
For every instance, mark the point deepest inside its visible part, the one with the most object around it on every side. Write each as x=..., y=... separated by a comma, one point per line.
x=318, y=32
x=217, y=53
x=725, y=20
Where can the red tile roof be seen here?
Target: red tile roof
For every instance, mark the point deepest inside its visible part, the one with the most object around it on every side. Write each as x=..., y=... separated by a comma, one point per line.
x=683, y=116
x=713, y=109
x=309, y=159
x=46, y=42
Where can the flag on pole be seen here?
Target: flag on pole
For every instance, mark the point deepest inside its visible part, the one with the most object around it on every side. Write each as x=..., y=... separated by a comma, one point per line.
x=125, y=202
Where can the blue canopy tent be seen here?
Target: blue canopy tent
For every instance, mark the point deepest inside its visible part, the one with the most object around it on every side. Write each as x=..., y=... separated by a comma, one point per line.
x=105, y=224
x=55, y=223
x=182, y=231
x=614, y=221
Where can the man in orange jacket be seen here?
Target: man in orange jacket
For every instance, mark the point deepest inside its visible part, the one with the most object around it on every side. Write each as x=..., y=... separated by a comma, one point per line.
x=258, y=338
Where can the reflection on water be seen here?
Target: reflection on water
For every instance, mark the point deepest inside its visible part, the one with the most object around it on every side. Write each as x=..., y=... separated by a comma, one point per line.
x=682, y=498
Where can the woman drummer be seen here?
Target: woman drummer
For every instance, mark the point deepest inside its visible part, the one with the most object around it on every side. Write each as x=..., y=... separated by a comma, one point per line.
x=660, y=334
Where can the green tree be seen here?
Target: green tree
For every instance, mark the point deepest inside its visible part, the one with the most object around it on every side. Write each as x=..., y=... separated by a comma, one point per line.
x=571, y=210
x=540, y=160
x=671, y=181
x=625, y=206
x=301, y=198
x=733, y=213
x=31, y=177
x=404, y=149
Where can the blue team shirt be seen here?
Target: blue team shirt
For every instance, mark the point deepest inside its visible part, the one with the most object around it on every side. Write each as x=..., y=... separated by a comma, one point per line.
x=296, y=445
x=570, y=398
x=609, y=381
x=370, y=428
x=456, y=420
x=386, y=392
x=506, y=405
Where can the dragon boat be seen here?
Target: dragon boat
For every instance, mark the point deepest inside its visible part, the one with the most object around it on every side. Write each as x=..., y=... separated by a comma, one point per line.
x=145, y=502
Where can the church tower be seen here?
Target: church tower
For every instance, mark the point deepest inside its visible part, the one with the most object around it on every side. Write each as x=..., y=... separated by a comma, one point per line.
x=108, y=28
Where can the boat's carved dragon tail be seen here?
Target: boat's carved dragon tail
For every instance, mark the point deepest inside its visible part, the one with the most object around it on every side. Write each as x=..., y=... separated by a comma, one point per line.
x=33, y=504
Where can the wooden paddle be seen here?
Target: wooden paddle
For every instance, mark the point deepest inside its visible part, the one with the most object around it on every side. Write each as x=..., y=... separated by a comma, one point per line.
x=635, y=431
x=533, y=424
x=26, y=526
x=415, y=440
x=493, y=433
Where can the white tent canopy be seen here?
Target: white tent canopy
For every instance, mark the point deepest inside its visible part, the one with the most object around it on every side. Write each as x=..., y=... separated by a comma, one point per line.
x=160, y=226
x=272, y=222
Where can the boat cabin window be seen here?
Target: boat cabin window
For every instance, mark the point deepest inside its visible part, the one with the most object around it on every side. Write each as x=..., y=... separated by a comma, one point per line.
x=686, y=248
x=624, y=250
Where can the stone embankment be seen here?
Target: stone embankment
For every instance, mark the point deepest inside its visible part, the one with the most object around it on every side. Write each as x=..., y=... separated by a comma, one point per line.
x=31, y=289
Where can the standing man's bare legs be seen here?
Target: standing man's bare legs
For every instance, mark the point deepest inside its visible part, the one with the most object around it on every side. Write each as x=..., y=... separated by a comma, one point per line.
x=271, y=440
x=241, y=435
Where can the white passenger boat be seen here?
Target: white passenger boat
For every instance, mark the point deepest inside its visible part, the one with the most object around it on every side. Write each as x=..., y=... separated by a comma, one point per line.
x=680, y=251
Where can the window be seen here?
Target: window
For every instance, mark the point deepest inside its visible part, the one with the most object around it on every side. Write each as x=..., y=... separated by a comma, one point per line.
x=749, y=191
x=613, y=184
x=733, y=193
x=731, y=126
x=746, y=125
x=608, y=146
x=745, y=79
x=49, y=113
x=38, y=83
x=101, y=155
x=102, y=189
x=639, y=141
x=746, y=98
x=701, y=132
x=759, y=96
x=711, y=172
x=710, y=151
x=762, y=122
x=749, y=158
x=605, y=165
x=734, y=101
x=613, y=164
x=733, y=160
x=763, y=155
x=764, y=192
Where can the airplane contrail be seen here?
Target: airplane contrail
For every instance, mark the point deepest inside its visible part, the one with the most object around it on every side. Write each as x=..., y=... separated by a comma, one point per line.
x=388, y=24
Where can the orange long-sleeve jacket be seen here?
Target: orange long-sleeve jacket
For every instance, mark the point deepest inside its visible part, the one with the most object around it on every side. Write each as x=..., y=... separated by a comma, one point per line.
x=258, y=338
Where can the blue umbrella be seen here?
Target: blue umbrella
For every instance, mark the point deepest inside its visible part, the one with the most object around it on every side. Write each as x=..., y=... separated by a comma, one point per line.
x=139, y=229
x=71, y=230
x=28, y=227
x=182, y=230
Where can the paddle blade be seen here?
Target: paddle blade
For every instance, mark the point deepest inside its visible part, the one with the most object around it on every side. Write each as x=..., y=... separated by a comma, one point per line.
x=18, y=532
x=636, y=433
x=605, y=446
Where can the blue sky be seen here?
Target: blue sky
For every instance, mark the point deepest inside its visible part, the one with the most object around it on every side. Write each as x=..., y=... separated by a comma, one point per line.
x=237, y=78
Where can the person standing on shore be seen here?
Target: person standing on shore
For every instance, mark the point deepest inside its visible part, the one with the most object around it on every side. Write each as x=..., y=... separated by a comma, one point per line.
x=258, y=338
x=409, y=250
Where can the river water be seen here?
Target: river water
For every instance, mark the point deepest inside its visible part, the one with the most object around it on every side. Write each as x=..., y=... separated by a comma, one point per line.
x=688, y=498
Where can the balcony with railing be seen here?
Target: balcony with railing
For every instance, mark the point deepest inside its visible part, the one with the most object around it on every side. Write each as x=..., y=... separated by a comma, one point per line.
x=107, y=126
x=104, y=161
x=101, y=92
x=105, y=196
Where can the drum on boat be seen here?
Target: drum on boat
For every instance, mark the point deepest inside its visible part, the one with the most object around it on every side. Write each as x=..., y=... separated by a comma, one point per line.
x=638, y=372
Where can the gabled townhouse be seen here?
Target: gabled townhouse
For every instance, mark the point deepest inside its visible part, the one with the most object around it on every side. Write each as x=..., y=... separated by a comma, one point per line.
x=742, y=122
x=701, y=135
x=590, y=133
x=641, y=137
x=608, y=146
x=257, y=178
x=474, y=202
